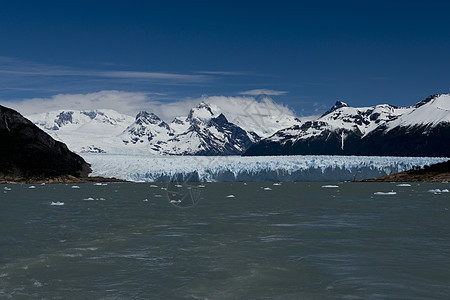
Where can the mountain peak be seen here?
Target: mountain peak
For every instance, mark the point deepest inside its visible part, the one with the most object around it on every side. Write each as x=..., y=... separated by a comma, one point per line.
x=144, y=117
x=427, y=100
x=336, y=106
x=202, y=111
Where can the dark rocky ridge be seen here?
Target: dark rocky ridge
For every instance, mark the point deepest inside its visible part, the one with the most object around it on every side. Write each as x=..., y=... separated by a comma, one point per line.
x=419, y=139
x=28, y=153
x=435, y=173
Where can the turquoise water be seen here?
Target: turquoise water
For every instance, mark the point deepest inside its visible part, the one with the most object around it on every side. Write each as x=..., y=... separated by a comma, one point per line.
x=288, y=241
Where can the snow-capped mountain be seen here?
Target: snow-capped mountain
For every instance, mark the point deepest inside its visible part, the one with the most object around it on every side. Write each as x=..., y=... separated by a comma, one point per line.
x=84, y=130
x=204, y=131
x=232, y=128
x=419, y=130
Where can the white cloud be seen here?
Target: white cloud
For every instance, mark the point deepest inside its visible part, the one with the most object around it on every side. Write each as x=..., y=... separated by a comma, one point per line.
x=124, y=102
x=263, y=92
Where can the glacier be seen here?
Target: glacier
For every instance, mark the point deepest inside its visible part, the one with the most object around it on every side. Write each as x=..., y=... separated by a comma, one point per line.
x=321, y=168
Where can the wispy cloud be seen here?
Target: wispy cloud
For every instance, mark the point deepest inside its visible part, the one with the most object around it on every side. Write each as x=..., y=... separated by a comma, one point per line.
x=259, y=92
x=14, y=67
x=224, y=73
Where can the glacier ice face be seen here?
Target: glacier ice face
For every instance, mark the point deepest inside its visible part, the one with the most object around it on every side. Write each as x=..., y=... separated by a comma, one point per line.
x=140, y=168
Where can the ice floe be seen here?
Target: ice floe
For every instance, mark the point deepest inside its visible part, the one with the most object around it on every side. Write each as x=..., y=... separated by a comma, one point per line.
x=57, y=203
x=385, y=193
x=330, y=186
x=438, y=191
x=230, y=196
x=403, y=184
x=94, y=199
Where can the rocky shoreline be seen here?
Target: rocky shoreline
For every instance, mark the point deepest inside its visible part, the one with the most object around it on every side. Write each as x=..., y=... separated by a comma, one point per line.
x=59, y=179
x=434, y=173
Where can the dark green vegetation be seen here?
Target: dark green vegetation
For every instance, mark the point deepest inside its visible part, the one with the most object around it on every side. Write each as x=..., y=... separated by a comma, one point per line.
x=28, y=153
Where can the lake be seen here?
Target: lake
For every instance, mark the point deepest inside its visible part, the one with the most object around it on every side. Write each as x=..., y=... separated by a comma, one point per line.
x=338, y=240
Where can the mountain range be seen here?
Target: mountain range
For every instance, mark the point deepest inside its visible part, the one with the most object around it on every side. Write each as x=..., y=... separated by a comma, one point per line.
x=418, y=130
x=206, y=130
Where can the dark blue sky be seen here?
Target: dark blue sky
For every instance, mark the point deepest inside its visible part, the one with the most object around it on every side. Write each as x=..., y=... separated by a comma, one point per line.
x=361, y=52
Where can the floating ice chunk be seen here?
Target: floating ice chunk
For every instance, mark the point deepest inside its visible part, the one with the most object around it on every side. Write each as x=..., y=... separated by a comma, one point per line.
x=37, y=284
x=175, y=201
x=164, y=188
x=200, y=186
x=385, y=193
x=445, y=191
x=178, y=185
x=158, y=196
x=267, y=189
x=32, y=187
x=43, y=183
x=277, y=183
x=87, y=249
x=153, y=186
x=7, y=188
x=403, y=184
x=330, y=186
x=435, y=191
x=145, y=200
x=75, y=187
x=94, y=199
x=57, y=203
x=230, y=196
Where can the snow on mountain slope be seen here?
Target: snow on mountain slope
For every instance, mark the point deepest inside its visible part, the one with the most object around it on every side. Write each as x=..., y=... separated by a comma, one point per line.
x=261, y=116
x=342, y=119
x=419, y=130
x=147, y=131
x=430, y=112
x=362, y=119
x=86, y=130
x=201, y=132
x=215, y=136
x=260, y=169
x=92, y=120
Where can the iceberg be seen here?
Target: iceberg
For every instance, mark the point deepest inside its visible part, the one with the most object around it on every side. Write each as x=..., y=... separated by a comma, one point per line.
x=319, y=168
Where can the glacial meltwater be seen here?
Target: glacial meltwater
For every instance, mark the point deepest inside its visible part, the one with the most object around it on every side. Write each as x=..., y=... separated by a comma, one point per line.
x=225, y=241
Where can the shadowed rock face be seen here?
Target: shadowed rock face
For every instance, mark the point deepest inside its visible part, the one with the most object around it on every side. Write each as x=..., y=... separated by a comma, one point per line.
x=28, y=152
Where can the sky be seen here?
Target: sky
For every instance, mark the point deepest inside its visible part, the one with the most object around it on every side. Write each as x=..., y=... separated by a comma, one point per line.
x=141, y=55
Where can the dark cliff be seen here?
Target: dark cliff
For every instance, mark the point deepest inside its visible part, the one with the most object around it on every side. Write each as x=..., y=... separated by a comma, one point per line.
x=27, y=152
